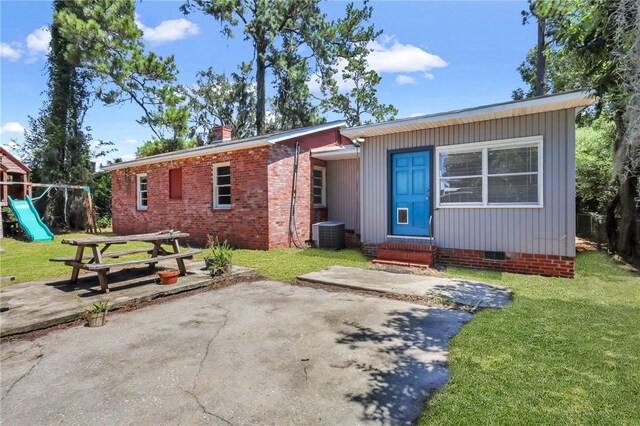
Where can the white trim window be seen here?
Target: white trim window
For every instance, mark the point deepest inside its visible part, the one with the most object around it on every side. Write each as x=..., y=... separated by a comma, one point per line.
x=503, y=173
x=222, y=186
x=142, y=192
x=319, y=186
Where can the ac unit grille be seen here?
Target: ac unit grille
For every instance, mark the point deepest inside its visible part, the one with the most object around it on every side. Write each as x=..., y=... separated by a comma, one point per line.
x=330, y=235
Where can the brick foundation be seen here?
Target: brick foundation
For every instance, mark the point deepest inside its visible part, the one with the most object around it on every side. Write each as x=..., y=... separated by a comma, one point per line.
x=522, y=263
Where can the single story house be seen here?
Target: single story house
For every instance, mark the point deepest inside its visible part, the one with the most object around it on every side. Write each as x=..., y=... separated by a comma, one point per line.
x=489, y=187
x=237, y=190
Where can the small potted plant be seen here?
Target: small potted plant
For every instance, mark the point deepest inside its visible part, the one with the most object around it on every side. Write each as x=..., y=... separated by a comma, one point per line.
x=168, y=277
x=218, y=257
x=97, y=314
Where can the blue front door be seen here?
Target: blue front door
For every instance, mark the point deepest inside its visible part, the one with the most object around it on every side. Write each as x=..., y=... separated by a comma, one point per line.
x=411, y=193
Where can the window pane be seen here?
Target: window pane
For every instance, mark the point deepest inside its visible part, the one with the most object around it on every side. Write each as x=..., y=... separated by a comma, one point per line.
x=513, y=189
x=224, y=180
x=224, y=200
x=514, y=160
x=224, y=190
x=317, y=191
x=317, y=182
x=317, y=174
x=461, y=164
x=224, y=170
x=461, y=190
x=317, y=199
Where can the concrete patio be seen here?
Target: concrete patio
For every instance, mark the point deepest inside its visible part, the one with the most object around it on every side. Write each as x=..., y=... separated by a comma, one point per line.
x=459, y=291
x=253, y=353
x=40, y=304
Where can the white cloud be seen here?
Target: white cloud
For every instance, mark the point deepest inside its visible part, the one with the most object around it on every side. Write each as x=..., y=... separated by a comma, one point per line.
x=416, y=114
x=402, y=79
x=11, y=127
x=38, y=41
x=11, y=53
x=128, y=157
x=131, y=141
x=389, y=55
x=166, y=31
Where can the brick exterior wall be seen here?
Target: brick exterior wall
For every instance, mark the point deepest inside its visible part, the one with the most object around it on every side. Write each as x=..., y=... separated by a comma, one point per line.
x=524, y=263
x=261, y=184
x=244, y=225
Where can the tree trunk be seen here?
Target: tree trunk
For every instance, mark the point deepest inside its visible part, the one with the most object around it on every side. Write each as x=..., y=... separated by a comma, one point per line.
x=627, y=230
x=260, y=89
x=540, y=58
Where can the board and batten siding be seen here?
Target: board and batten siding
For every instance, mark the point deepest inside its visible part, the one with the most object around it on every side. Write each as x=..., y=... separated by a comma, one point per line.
x=547, y=230
x=342, y=192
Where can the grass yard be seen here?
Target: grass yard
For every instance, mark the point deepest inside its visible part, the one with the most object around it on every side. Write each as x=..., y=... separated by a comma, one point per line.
x=286, y=264
x=30, y=261
x=565, y=352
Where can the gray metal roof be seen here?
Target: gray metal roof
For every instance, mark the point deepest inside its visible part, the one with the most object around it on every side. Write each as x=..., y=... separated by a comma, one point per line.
x=232, y=145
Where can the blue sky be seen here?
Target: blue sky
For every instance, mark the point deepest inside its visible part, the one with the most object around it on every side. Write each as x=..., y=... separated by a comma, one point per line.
x=433, y=56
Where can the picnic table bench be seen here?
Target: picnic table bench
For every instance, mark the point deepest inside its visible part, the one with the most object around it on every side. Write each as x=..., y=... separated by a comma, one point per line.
x=94, y=262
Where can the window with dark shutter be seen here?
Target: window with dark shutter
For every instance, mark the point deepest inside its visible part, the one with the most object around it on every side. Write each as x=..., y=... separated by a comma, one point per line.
x=175, y=184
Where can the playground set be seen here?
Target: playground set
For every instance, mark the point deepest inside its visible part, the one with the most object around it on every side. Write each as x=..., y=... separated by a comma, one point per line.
x=16, y=193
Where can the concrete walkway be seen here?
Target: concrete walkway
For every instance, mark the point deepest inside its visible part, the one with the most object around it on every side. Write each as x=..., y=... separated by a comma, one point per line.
x=459, y=291
x=39, y=304
x=252, y=353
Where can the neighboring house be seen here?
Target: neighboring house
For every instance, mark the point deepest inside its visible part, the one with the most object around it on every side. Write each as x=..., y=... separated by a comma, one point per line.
x=12, y=170
x=492, y=186
x=238, y=190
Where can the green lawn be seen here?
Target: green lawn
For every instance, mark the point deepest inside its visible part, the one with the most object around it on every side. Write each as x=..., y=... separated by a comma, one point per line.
x=286, y=264
x=565, y=352
x=30, y=261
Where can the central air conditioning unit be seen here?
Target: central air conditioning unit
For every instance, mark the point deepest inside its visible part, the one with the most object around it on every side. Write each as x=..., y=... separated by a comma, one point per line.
x=328, y=235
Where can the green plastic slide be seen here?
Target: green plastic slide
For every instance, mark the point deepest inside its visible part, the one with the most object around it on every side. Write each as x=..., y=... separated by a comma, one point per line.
x=29, y=220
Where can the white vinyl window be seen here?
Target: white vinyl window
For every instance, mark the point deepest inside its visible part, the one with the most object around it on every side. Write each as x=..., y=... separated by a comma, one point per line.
x=222, y=186
x=505, y=173
x=319, y=186
x=142, y=191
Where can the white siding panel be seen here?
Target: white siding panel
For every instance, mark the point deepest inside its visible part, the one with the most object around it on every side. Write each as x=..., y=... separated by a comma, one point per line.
x=548, y=230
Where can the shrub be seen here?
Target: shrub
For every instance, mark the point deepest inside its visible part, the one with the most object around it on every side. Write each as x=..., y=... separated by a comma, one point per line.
x=218, y=256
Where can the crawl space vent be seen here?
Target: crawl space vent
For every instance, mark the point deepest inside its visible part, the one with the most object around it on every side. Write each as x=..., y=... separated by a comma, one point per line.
x=495, y=255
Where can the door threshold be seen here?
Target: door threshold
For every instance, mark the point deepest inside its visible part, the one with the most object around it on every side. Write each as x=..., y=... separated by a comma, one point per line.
x=407, y=237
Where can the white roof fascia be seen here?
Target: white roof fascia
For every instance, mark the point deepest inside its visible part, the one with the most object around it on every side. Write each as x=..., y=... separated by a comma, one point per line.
x=339, y=153
x=502, y=110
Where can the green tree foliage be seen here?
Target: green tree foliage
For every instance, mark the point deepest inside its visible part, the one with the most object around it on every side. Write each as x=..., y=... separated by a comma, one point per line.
x=295, y=41
x=595, y=187
x=220, y=100
x=359, y=104
x=104, y=41
x=604, y=39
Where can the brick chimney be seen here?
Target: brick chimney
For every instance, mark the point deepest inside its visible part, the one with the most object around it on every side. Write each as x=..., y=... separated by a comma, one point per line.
x=220, y=134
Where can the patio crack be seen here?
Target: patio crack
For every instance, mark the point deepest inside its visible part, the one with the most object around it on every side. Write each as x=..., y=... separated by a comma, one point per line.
x=225, y=315
x=38, y=357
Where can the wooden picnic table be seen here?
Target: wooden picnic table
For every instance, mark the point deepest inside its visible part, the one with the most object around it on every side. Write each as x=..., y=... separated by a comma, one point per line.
x=95, y=261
